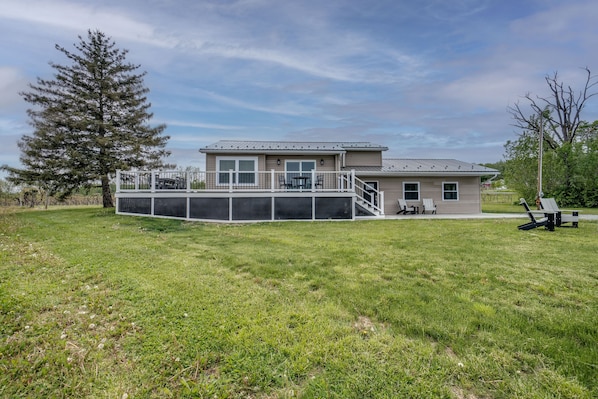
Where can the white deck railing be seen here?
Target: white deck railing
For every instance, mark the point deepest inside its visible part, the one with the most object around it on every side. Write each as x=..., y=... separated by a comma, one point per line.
x=371, y=197
x=234, y=181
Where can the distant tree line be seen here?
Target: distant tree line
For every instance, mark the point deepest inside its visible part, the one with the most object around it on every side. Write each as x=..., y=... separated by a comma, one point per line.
x=569, y=146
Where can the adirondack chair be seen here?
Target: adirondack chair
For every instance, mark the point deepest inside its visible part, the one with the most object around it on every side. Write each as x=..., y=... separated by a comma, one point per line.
x=404, y=208
x=547, y=221
x=428, y=205
x=560, y=218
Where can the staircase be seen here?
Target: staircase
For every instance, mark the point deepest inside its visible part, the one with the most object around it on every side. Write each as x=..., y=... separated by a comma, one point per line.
x=369, y=201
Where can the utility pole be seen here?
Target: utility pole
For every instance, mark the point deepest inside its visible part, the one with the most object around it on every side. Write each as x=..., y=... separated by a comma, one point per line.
x=540, y=151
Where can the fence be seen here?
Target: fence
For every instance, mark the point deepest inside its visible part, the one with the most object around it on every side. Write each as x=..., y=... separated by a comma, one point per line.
x=497, y=197
x=229, y=181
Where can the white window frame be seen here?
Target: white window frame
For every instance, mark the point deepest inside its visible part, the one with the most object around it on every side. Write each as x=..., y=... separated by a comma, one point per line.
x=418, y=190
x=289, y=174
x=444, y=191
x=236, y=170
x=300, y=161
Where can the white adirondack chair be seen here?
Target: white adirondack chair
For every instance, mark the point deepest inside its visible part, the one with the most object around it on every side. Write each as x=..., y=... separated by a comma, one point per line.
x=404, y=208
x=428, y=204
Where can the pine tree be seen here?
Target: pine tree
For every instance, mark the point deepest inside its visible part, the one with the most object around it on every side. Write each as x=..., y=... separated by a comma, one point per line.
x=91, y=119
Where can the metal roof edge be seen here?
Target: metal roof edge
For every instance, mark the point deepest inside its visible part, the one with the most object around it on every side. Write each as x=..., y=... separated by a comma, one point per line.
x=276, y=147
x=423, y=174
x=272, y=152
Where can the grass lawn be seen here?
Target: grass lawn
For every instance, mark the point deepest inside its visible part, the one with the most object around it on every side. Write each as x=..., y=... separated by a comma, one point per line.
x=98, y=305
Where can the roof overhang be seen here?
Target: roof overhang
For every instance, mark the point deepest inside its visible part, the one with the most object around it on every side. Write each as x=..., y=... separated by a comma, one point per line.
x=273, y=152
x=289, y=147
x=424, y=174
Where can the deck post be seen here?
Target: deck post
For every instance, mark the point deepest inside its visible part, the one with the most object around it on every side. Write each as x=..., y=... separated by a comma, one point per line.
x=381, y=202
x=153, y=183
x=272, y=180
x=117, y=180
x=230, y=180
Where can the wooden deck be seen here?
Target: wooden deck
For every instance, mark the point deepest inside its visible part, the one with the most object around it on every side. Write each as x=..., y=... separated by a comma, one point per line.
x=239, y=197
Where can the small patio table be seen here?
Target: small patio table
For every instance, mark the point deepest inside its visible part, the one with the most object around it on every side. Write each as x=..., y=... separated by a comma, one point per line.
x=300, y=181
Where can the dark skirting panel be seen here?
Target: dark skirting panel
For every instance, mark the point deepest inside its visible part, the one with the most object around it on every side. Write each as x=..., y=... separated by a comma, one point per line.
x=286, y=208
x=333, y=208
x=175, y=207
x=208, y=208
x=252, y=208
x=141, y=206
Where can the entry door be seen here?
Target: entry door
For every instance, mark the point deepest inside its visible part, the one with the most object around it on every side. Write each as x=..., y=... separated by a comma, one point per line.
x=370, y=191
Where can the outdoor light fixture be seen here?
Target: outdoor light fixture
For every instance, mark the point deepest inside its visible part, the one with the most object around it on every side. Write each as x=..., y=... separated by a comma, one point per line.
x=278, y=161
x=322, y=161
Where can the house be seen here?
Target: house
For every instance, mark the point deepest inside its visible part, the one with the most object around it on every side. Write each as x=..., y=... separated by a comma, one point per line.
x=276, y=180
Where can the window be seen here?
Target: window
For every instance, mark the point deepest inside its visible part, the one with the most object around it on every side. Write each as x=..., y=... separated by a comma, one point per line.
x=411, y=191
x=299, y=172
x=246, y=173
x=450, y=191
x=302, y=167
x=244, y=170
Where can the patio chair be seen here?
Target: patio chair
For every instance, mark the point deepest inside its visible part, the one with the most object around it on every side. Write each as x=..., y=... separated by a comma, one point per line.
x=283, y=183
x=560, y=218
x=319, y=183
x=547, y=221
x=428, y=205
x=404, y=208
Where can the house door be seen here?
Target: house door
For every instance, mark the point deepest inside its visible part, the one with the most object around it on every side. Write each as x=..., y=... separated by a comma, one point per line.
x=299, y=173
x=370, y=191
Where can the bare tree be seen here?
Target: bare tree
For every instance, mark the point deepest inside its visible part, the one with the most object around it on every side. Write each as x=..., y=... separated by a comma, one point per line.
x=561, y=111
x=559, y=114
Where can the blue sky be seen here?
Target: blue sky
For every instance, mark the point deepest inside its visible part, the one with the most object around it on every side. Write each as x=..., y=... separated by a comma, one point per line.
x=426, y=78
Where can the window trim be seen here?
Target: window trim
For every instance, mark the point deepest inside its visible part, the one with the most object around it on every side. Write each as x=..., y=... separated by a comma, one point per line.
x=444, y=191
x=300, y=161
x=418, y=190
x=236, y=170
x=290, y=173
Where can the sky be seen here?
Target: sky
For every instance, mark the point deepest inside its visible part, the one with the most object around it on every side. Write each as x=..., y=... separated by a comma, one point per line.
x=426, y=78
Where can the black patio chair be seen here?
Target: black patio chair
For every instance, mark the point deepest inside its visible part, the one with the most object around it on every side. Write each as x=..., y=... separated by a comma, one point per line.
x=283, y=183
x=319, y=183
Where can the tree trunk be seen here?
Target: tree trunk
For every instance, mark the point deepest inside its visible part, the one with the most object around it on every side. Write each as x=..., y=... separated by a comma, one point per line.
x=106, y=194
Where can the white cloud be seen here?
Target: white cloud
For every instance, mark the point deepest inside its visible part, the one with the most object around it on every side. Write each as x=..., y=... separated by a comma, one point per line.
x=80, y=18
x=285, y=108
x=11, y=83
x=199, y=125
x=420, y=77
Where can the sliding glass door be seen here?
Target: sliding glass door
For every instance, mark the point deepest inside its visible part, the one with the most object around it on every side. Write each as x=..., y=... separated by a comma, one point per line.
x=299, y=173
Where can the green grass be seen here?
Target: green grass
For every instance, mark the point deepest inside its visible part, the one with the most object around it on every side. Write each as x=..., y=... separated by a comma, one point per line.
x=98, y=305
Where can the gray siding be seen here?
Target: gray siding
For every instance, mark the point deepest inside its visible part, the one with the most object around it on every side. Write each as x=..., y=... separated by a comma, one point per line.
x=431, y=187
x=363, y=158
